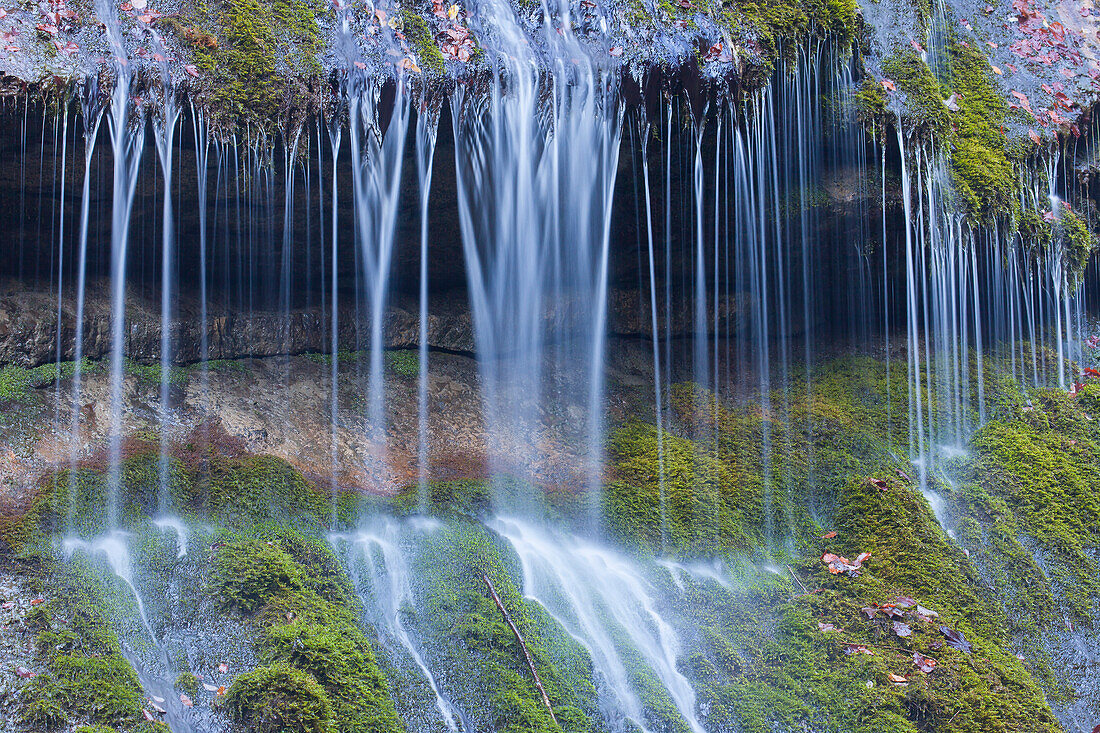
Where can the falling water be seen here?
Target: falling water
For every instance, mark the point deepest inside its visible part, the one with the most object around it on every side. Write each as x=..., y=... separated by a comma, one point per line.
x=381, y=574
x=535, y=180
x=606, y=602
x=126, y=139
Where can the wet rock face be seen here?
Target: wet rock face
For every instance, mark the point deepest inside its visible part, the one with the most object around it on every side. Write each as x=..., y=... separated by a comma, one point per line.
x=29, y=334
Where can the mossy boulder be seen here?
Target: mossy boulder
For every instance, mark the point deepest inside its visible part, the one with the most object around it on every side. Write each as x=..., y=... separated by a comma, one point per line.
x=279, y=698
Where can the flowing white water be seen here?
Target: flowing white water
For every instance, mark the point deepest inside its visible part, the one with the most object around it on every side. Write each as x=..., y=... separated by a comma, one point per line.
x=126, y=139
x=427, y=130
x=608, y=604
x=379, y=569
x=535, y=181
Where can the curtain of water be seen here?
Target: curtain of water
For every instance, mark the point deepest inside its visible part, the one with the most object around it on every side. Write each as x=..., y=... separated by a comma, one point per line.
x=536, y=161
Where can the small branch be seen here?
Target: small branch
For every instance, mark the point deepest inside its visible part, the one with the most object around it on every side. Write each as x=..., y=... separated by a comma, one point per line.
x=522, y=645
x=798, y=580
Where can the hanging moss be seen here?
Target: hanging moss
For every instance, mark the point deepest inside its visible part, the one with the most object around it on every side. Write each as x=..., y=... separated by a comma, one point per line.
x=982, y=174
x=260, y=57
x=416, y=30
x=1076, y=245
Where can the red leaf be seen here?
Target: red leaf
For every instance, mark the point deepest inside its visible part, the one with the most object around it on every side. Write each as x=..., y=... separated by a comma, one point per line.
x=888, y=85
x=830, y=535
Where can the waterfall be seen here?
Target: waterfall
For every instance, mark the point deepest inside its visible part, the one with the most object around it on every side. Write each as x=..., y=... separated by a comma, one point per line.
x=535, y=180
x=605, y=601
x=383, y=578
x=126, y=139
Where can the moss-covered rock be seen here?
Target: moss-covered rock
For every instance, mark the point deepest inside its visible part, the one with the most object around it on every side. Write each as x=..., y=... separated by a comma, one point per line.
x=279, y=698
x=285, y=586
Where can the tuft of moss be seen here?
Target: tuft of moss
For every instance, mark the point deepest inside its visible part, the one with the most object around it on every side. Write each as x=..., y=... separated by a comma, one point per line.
x=86, y=676
x=279, y=698
x=420, y=36
x=982, y=174
x=289, y=587
x=188, y=684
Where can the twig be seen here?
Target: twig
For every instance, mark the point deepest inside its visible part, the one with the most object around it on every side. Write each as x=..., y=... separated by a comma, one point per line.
x=797, y=580
x=522, y=645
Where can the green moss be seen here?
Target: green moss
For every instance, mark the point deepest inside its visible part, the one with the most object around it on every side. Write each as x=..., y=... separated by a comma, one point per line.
x=1076, y=243
x=257, y=489
x=188, y=684
x=467, y=497
x=1034, y=475
x=264, y=61
x=925, y=112
x=290, y=587
x=420, y=36
x=983, y=175
x=151, y=374
x=776, y=23
x=760, y=662
x=279, y=698
x=16, y=382
x=86, y=675
x=467, y=633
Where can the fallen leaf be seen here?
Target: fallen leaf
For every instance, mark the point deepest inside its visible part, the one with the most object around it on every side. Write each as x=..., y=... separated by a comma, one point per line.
x=870, y=611
x=902, y=629
x=830, y=535
x=616, y=51
x=452, y=12
x=923, y=663
x=888, y=85
x=223, y=667
x=952, y=103
x=922, y=611
x=878, y=483
x=37, y=601
x=190, y=69
x=857, y=649
x=996, y=70
x=1034, y=137
x=147, y=715
x=25, y=673
x=956, y=640
x=826, y=627
x=897, y=679
x=139, y=4
x=904, y=602
x=186, y=701
x=209, y=687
